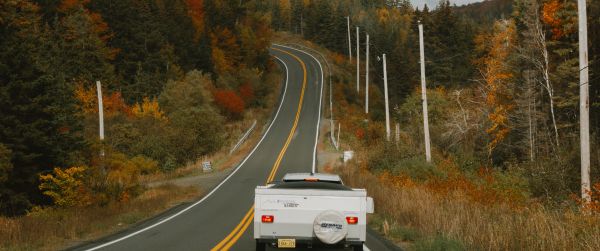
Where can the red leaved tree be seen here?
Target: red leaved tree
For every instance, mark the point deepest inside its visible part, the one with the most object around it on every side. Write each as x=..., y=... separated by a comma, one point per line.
x=229, y=102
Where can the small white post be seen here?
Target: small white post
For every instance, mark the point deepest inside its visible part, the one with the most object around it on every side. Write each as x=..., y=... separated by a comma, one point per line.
x=349, y=41
x=387, y=105
x=424, y=96
x=584, y=102
x=357, y=61
x=367, y=79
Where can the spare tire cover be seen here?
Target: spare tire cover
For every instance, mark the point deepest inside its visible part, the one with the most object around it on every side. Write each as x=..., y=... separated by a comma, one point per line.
x=330, y=227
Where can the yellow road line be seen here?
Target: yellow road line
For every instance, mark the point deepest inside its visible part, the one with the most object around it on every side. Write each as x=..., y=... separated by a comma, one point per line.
x=237, y=232
x=296, y=119
x=238, y=235
x=246, y=217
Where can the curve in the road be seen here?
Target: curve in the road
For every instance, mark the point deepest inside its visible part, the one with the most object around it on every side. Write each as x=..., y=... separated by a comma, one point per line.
x=237, y=232
x=210, y=221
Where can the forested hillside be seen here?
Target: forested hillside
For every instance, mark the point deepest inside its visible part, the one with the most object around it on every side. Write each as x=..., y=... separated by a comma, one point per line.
x=486, y=12
x=174, y=74
x=504, y=83
x=503, y=104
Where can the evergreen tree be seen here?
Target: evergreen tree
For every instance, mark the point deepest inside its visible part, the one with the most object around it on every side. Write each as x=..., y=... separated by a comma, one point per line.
x=38, y=119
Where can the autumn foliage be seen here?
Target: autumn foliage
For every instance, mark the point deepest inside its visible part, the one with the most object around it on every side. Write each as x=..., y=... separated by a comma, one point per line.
x=225, y=50
x=554, y=14
x=197, y=14
x=112, y=103
x=148, y=108
x=66, y=187
x=593, y=206
x=230, y=102
x=497, y=78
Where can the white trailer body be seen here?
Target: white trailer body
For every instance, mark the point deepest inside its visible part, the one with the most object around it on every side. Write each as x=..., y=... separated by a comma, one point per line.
x=310, y=213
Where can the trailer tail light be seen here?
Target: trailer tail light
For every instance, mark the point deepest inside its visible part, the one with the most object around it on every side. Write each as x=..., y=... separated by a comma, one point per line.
x=352, y=220
x=267, y=218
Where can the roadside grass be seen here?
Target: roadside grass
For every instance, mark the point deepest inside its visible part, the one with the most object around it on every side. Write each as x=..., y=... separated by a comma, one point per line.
x=409, y=238
x=51, y=228
x=438, y=243
x=421, y=219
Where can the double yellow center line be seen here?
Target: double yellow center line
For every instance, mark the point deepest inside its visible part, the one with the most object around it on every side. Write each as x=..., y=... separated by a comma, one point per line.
x=237, y=232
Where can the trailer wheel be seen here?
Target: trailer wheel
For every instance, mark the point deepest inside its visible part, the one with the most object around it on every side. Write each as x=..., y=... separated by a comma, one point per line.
x=358, y=247
x=261, y=246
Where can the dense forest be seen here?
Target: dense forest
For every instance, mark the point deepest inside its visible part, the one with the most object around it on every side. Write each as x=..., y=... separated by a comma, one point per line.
x=503, y=78
x=502, y=75
x=172, y=74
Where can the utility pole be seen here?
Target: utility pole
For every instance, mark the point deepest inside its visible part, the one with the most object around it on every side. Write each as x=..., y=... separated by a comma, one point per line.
x=584, y=102
x=349, y=42
x=387, y=105
x=357, y=61
x=424, y=96
x=101, y=126
x=367, y=79
x=100, y=111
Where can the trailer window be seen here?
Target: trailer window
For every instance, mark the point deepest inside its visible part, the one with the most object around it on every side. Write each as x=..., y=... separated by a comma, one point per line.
x=311, y=185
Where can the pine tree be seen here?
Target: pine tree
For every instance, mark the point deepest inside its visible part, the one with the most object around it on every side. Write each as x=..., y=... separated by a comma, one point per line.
x=81, y=50
x=38, y=118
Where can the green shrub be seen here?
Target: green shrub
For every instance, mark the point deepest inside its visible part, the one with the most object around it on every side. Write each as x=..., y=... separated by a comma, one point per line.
x=439, y=243
x=404, y=233
x=402, y=160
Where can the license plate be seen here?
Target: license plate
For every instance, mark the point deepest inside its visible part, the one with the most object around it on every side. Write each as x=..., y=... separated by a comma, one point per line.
x=286, y=243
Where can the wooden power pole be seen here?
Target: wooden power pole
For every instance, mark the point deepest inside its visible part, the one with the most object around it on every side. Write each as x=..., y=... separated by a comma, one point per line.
x=357, y=61
x=584, y=102
x=387, y=104
x=349, y=41
x=367, y=79
x=424, y=96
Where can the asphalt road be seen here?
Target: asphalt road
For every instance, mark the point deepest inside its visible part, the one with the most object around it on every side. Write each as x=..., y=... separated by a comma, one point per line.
x=217, y=220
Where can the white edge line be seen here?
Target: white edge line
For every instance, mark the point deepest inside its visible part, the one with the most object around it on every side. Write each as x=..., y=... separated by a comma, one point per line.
x=319, y=121
x=220, y=184
x=314, y=166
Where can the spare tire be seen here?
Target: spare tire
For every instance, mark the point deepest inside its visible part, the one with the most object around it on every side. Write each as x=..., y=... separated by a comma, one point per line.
x=330, y=227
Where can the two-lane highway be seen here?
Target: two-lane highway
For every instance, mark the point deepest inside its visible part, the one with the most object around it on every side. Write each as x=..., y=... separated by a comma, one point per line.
x=222, y=220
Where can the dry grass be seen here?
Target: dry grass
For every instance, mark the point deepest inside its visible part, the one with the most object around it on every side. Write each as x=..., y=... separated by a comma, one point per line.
x=477, y=226
x=51, y=229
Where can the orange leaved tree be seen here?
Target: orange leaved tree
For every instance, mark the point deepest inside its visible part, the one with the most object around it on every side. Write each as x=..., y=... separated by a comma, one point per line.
x=497, y=78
